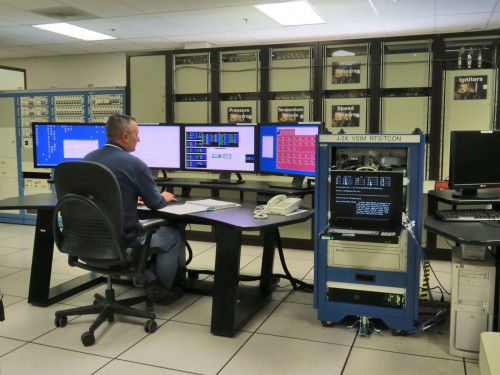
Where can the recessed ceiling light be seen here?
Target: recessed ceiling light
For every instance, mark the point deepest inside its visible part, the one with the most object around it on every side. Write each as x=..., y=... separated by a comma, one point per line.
x=73, y=31
x=292, y=13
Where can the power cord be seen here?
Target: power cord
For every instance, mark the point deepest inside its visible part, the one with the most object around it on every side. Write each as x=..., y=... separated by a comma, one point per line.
x=296, y=283
x=441, y=315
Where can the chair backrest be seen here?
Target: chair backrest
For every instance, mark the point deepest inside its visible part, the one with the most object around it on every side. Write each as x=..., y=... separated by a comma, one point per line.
x=90, y=205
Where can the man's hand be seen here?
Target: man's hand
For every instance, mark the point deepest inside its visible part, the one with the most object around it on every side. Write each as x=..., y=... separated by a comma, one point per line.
x=169, y=197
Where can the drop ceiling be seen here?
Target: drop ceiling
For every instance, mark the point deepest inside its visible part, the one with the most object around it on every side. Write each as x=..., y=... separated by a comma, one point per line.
x=148, y=25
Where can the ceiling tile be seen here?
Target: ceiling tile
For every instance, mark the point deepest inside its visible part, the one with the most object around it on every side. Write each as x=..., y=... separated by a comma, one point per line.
x=465, y=22
x=408, y=26
x=403, y=9
x=150, y=25
x=449, y=7
x=194, y=21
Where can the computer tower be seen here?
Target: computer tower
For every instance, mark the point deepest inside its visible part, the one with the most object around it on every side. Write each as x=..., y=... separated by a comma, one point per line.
x=472, y=302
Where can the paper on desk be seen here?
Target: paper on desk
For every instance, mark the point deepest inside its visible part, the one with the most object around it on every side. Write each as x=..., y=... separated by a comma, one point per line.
x=190, y=207
x=182, y=209
x=299, y=211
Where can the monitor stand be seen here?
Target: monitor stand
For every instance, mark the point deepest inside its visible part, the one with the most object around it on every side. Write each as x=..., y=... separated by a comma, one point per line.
x=479, y=194
x=297, y=184
x=224, y=178
x=163, y=176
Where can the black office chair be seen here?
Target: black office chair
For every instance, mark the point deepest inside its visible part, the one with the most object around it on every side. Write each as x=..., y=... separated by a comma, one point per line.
x=90, y=208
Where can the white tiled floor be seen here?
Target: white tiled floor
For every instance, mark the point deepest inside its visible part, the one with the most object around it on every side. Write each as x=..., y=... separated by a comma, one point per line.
x=285, y=337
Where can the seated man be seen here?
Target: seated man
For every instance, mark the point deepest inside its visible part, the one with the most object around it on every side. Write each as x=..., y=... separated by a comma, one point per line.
x=137, y=184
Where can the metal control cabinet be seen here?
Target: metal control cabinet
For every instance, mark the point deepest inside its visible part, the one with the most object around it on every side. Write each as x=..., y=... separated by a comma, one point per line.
x=19, y=110
x=350, y=285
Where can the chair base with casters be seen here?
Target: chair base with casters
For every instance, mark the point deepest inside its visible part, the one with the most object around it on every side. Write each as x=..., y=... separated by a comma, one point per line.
x=107, y=306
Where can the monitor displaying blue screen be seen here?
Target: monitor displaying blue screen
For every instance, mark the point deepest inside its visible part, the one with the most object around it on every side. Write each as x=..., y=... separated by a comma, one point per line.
x=220, y=148
x=288, y=149
x=159, y=146
x=54, y=143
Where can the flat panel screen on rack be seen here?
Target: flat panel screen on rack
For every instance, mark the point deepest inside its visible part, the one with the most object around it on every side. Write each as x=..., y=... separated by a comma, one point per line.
x=371, y=200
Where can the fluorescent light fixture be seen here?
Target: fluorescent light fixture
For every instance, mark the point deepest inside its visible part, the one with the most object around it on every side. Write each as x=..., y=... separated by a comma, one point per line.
x=73, y=31
x=292, y=13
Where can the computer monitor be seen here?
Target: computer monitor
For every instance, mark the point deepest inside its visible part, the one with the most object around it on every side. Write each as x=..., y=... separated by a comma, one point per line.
x=220, y=148
x=288, y=149
x=474, y=156
x=366, y=200
x=55, y=142
x=160, y=146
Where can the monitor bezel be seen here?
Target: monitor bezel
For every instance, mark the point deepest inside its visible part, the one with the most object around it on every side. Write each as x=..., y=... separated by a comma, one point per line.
x=36, y=163
x=290, y=125
x=222, y=171
x=181, y=146
x=460, y=141
x=399, y=201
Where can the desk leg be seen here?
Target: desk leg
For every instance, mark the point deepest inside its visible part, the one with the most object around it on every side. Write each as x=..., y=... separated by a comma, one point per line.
x=41, y=264
x=431, y=242
x=234, y=305
x=40, y=293
x=225, y=292
x=266, y=274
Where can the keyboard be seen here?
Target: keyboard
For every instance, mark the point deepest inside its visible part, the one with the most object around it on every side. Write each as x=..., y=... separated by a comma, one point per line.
x=472, y=214
x=362, y=232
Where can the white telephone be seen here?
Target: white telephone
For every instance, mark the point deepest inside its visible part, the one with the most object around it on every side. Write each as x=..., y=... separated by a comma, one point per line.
x=280, y=205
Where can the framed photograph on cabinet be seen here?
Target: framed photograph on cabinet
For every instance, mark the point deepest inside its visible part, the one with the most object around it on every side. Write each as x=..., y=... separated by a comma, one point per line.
x=471, y=87
x=345, y=116
x=290, y=114
x=239, y=115
x=345, y=72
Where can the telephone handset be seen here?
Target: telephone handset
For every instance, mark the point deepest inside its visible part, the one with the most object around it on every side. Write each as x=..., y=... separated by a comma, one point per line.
x=280, y=205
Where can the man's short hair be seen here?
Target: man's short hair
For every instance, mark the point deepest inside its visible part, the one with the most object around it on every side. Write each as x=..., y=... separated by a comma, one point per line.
x=116, y=125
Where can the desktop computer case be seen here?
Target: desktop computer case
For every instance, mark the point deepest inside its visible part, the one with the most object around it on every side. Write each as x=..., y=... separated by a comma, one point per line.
x=472, y=302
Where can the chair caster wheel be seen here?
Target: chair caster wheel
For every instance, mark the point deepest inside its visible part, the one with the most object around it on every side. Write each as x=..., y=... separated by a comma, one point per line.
x=61, y=321
x=327, y=323
x=88, y=338
x=150, y=326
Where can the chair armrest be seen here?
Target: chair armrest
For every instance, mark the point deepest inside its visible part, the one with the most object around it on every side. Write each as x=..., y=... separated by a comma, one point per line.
x=149, y=224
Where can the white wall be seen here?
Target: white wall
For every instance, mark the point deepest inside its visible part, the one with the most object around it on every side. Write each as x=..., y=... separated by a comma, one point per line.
x=11, y=79
x=72, y=71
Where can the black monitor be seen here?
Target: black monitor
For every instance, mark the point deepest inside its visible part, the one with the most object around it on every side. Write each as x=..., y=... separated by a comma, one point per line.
x=288, y=149
x=371, y=200
x=54, y=142
x=160, y=146
x=474, y=157
x=220, y=148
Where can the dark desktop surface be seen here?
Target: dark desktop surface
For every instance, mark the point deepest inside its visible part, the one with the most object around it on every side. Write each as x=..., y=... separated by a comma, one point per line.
x=271, y=187
x=468, y=233
x=448, y=196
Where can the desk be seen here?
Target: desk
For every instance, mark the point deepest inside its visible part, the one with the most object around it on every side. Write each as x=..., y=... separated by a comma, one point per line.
x=446, y=196
x=485, y=233
x=248, y=186
x=471, y=233
x=40, y=293
x=263, y=192
x=232, y=305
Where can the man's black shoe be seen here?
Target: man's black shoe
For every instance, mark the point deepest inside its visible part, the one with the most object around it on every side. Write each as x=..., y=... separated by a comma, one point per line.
x=161, y=295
